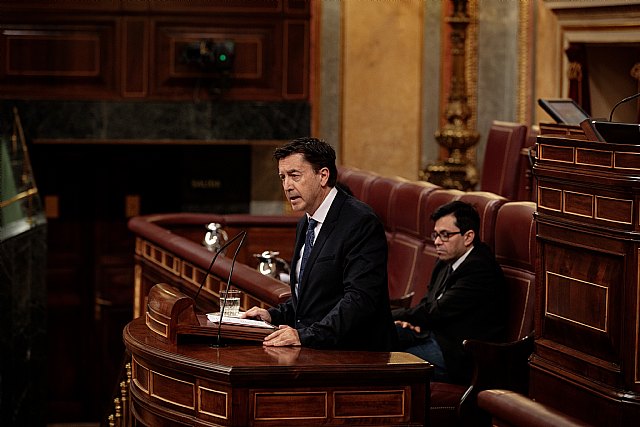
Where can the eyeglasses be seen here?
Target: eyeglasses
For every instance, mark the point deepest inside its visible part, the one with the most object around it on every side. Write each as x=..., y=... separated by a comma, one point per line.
x=443, y=235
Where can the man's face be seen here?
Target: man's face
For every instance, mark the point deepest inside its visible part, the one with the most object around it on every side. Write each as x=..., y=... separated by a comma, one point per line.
x=305, y=189
x=457, y=244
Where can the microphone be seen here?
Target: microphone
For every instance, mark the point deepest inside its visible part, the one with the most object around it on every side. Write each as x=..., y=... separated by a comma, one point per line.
x=628, y=98
x=226, y=289
x=218, y=252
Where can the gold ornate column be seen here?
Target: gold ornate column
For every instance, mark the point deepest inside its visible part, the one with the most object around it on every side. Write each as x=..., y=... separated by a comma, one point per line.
x=457, y=170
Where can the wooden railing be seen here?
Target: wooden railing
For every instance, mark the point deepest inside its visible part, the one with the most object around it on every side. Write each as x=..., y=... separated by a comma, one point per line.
x=120, y=413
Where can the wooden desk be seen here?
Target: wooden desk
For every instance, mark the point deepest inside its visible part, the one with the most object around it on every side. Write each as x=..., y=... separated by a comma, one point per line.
x=586, y=361
x=244, y=384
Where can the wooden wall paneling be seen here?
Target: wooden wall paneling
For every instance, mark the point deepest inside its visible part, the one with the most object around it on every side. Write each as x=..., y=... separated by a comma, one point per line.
x=63, y=5
x=68, y=58
x=297, y=57
x=175, y=6
x=297, y=7
x=135, y=5
x=68, y=317
x=216, y=6
x=112, y=305
x=135, y=57
x=257, y=63
x=133, y=49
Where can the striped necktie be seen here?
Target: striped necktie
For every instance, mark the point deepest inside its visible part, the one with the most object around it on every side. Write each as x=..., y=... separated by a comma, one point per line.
x=308, y=245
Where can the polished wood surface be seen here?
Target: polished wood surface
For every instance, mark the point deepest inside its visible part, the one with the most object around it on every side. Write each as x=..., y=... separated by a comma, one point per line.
x=170, y=313
x=169, y=250
x=511, y=409
x=245, y=384
x=133, y=49
x=588, y=304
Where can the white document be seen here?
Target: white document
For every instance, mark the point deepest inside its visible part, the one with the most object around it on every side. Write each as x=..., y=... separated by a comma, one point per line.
x=215, y=318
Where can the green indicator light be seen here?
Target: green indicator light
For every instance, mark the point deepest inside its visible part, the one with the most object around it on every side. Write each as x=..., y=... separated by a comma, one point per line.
x=223, y=57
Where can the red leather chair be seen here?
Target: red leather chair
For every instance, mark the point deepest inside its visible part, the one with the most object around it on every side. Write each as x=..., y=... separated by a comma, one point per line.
x=406, y=242
x=487, y=204
x=500, y=169
x=499, y=365
x=356, y=180
x=379, y=196
x=427, y=257
x=525, y=174
x=516, y=253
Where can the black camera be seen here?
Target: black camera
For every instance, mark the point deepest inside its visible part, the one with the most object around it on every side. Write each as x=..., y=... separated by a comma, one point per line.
x=210, y=55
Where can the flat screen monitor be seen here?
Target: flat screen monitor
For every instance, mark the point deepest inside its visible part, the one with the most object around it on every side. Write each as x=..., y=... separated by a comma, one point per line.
x=564, y=111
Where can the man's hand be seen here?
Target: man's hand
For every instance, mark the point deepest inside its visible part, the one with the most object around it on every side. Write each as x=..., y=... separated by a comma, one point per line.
x=256, y=313
x=285, y=335
x=405, y=325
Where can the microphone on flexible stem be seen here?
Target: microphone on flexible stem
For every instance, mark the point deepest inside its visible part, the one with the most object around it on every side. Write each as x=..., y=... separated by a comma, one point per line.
x=226, y=289
x=218, y=252
x=628, y=98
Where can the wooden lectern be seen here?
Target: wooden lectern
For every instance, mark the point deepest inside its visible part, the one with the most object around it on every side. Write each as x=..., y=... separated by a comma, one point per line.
x=587, y=350
x=171, y=313
x=246, y=384
x=179, y=378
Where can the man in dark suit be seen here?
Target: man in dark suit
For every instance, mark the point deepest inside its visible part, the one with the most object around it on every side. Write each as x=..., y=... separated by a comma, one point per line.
x=338, y=281
x=466, y=297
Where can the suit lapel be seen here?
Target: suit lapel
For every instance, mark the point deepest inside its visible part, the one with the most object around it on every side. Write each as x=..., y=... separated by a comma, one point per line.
x=327, y=228
x=441, y=281
x=441, y=285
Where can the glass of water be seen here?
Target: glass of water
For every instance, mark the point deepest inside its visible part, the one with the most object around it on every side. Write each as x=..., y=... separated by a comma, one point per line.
x=230, y=300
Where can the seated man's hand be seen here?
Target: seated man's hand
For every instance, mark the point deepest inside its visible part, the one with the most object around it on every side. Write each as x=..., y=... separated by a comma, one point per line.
x=405, y=325
x=285, y=335
x=256, y=313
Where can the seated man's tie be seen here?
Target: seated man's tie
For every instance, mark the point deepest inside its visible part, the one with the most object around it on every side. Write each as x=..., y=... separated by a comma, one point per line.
x=443, y=278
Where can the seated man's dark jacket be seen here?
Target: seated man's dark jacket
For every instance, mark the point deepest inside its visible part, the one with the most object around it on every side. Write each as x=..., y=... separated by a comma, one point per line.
x=473, y=306
x=344, y=299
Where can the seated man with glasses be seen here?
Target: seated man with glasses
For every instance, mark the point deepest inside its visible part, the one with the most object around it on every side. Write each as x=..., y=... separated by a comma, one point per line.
x=466, y=297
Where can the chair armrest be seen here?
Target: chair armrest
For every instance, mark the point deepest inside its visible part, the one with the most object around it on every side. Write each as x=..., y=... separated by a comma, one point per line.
x=501, y=365
x=513, y=409
x=496, y=365
x=402, y=302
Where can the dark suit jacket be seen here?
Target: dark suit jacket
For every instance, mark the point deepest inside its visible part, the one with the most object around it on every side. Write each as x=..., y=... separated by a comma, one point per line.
x=473, y=306
x=344, y=299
